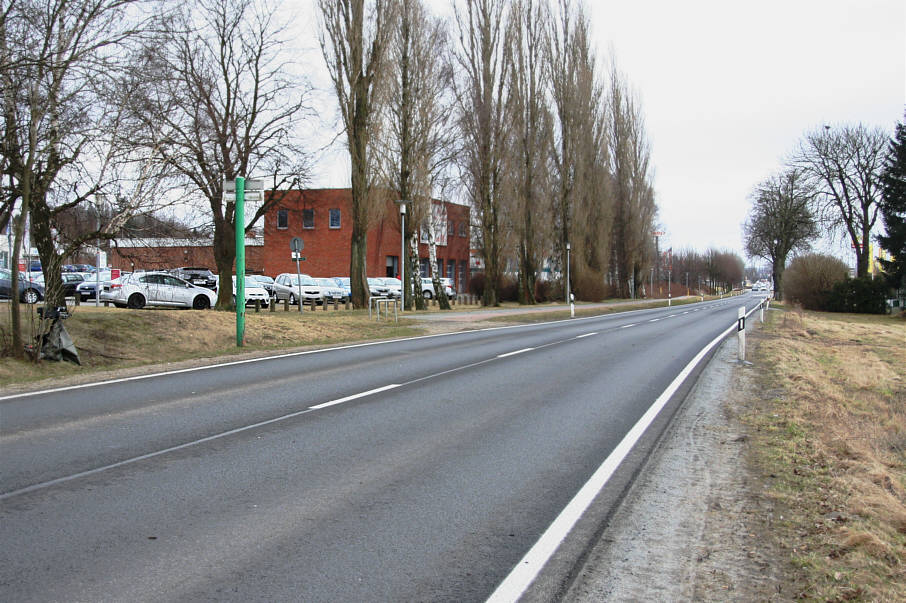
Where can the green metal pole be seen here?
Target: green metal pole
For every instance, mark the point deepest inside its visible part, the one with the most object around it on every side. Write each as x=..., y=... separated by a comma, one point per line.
x=240, y=261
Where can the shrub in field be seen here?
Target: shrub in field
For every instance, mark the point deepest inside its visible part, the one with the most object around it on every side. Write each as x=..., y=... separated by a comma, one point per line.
x=809, y=279
x=508, y=289
x=590, y=286
x=548, y=290
x=862, y=295
x=476, y=284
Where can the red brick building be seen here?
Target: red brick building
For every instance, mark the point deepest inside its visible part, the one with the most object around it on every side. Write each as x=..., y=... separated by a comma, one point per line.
x=322, y=218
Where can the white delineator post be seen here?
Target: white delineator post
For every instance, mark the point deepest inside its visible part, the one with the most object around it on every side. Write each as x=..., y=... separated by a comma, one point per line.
x=741, y=333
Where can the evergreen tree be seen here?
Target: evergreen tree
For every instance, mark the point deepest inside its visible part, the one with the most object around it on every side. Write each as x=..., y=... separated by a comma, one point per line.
x=893, y=209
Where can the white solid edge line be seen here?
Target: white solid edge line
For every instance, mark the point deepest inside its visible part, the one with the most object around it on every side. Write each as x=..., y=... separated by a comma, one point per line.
x=514, y=353
x=525, y=572
x=354, y=397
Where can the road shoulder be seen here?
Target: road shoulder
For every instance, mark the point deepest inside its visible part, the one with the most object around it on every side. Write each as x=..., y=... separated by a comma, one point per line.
x=695, y=524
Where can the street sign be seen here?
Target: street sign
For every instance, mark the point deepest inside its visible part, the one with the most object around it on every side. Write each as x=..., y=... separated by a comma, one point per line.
x=296, y=244
x=296, y=256
x=250, y=196
x=251, y=184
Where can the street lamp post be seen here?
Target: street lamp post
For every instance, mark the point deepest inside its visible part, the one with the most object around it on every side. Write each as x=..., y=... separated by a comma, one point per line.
x=97, y=262
x=569, y=295
x=402, y=204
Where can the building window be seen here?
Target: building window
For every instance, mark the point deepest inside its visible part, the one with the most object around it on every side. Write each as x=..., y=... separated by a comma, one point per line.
x=308, y=218
x=462, y=276
x=451, y=269
x=462, y=229
x=423, y=267
x=282, y=219
x=451, y=229
x=334, y=218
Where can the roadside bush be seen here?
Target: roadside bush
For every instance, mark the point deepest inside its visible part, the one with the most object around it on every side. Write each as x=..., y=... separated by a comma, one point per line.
x=476, y=284
x=809, y=279
x=548, y=290
x=590, y=286
x=508, y=289
x=862, y=295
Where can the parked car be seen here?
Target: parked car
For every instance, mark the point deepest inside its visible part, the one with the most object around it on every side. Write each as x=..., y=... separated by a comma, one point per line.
x=30, y=292
x=289, y=285
x=197, y=275
x=86, y=289
x=142, y=289
x=378, y=288
x=253, y=292
x=265, y=282
x=331, y=292
x=343, y=283
x=394, y=287
x=71, y=280
x=428, y=288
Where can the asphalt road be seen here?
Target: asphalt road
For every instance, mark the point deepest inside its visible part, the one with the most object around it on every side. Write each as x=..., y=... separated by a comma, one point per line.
x=419, y=469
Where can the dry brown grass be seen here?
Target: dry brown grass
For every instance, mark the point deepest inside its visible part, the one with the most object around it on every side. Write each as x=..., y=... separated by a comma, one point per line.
x=110, y=339
x=832, y=435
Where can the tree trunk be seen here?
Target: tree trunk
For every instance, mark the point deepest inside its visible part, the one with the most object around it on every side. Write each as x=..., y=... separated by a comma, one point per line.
x=357, y=270
x=225, y=257
x=440, y=292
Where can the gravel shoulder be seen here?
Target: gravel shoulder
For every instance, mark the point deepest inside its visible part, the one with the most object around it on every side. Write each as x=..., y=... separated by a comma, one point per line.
x=695, y=524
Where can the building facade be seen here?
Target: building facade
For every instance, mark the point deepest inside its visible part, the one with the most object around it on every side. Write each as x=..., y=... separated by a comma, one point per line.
x=322, y=218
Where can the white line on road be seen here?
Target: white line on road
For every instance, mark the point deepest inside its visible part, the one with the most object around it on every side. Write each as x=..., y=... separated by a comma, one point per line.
x=654, y=320
x=514, y=353
x=586, y=335
x=627, y=326
x=354, y=396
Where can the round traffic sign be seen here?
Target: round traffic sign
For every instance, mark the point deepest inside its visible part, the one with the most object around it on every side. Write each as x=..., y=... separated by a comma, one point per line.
x=296, y=245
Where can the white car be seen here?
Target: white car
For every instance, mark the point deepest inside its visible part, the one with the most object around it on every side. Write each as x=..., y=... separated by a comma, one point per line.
x=331, y=291
x=142, y=289
x=428, y=288
x=253, y=292
x=394, y=287
x=377, y=288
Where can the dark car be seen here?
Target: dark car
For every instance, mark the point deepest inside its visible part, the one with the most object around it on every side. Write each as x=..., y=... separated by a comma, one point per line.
x=71, y=280
x=197, y=275
x=30, y=292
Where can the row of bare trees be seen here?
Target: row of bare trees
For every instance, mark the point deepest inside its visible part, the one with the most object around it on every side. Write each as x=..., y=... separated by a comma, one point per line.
x=831, y=184
x=508, y=107
x=117, y=108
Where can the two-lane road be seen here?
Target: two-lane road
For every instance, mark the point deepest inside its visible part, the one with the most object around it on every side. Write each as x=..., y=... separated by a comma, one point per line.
x=418, y=469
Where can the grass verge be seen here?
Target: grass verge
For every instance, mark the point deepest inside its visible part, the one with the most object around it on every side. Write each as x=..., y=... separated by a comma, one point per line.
x=109, y=339
x=830, y=436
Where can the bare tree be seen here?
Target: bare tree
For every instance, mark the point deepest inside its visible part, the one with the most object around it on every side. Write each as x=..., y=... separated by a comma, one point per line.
x=57, y=57
x=530, y=136
x=220, y=103
x=418, y=142
x=480, y=92
x=634, y=208
x=581, y=212
x=354, y=46
x=781, y=221
x=845, y=164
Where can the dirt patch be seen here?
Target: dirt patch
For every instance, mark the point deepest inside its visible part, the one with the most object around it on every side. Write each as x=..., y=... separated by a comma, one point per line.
x=695, y=524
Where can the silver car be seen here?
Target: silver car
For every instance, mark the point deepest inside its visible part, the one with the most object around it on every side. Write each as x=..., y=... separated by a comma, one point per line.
x=288, y=286
x=159, y=289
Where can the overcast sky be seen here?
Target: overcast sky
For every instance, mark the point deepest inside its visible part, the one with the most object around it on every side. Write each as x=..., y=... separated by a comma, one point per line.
x=729, y=87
